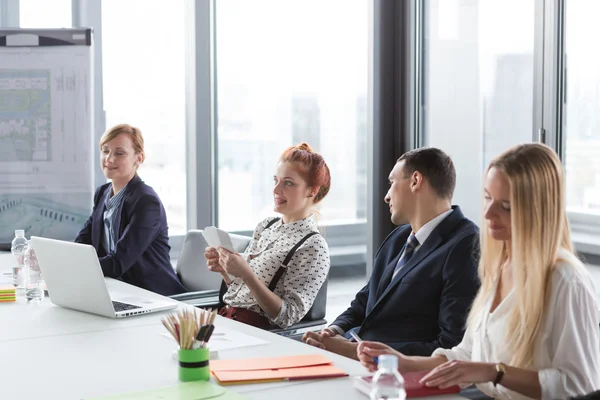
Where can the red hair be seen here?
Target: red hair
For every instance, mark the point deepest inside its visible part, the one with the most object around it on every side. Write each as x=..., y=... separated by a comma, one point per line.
x=313, y=168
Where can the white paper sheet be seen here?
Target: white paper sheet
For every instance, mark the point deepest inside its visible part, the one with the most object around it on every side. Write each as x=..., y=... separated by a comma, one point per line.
x=226, y=339
x=216, y=237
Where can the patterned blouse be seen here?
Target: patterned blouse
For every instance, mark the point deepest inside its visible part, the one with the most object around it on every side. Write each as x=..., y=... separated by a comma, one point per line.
x=306, y=271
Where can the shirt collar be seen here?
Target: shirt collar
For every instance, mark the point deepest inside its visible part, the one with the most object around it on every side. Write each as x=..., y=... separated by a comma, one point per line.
x=307, y=224
x=423, y=233
x=111, y=202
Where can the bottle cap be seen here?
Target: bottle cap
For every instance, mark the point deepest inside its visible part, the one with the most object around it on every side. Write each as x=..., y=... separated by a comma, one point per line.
x=388, y=361
x=19, y=232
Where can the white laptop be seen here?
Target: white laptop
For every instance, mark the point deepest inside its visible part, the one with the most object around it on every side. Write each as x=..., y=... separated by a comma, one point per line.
x=75, y=280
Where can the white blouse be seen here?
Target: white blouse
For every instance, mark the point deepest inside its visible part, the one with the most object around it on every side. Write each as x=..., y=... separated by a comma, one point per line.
x=568, y=348
x=306, y=271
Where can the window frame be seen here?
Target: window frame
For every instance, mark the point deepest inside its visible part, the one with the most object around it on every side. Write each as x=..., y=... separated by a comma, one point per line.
x=9, y=13
x=349, y=240
x=548, y=100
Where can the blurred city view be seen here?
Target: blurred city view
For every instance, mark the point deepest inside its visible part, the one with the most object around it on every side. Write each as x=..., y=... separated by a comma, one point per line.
x=280, y=80
x=288, y=72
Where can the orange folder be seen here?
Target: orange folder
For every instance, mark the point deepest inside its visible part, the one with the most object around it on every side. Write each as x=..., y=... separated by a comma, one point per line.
x=229, y=372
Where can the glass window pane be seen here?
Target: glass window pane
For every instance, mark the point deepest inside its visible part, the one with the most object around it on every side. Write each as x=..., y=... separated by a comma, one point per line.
x=289, y=72
x=45, y=14
x=582, y=119
x=479, y=85
x=143, y=66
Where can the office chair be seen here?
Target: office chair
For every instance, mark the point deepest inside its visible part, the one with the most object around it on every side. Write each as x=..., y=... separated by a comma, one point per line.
x=203, y=285
x=207, y=288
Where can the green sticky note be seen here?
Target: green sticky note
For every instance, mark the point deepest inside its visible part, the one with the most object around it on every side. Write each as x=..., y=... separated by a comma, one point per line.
x=198, y=390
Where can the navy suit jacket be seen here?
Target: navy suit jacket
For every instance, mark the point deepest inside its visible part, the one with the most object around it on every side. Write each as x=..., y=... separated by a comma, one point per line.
x=141, y=255
x=426, y=304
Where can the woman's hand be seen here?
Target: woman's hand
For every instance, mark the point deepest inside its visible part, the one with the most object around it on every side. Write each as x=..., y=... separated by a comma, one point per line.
x=458, y=373
x=234, y=264
x=367, y=351
x=212, y=260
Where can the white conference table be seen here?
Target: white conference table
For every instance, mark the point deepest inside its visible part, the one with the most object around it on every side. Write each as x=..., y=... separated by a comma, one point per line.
x=49, y=352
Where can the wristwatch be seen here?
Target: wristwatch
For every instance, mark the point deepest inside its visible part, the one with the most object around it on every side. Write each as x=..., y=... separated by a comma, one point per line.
x=501, y=370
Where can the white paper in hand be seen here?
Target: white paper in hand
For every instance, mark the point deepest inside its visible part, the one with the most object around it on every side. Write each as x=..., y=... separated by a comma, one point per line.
x=225, y=240
x=211, y=236
x=216, y=237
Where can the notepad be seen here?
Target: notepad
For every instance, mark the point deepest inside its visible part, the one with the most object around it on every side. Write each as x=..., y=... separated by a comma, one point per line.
x=230, y=372
x=7, y=294
x=411, y=385
x=199, y=390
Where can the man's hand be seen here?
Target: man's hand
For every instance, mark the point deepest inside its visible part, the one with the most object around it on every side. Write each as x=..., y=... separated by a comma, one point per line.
x=342, y=346
x=367, y=351
x=328, y=332
x=314, y=339
x=336, y=344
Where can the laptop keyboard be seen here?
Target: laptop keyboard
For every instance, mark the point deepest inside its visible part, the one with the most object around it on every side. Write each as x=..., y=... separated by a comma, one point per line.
x=118, y=306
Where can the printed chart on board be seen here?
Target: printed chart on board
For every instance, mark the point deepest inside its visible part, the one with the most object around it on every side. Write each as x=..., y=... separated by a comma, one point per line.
x=46, y=184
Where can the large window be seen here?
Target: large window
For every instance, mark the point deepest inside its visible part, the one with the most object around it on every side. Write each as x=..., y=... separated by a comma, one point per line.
x=581, y=111
x=45, y=13
x=478, y=90
x=143, y=61
x=287, y=72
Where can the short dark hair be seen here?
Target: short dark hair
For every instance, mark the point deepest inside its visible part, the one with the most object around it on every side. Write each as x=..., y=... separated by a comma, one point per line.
x=435, y=165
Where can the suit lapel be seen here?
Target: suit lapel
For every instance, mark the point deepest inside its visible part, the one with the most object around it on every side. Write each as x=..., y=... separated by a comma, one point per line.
x=98, y=221
x=433, y=242
x=136, y=180
x=435, y=239
x=387, y=274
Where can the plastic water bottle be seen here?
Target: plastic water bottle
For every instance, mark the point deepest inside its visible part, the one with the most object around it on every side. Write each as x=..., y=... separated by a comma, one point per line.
x=17, y=249
x=34, y=285
x=387, y=383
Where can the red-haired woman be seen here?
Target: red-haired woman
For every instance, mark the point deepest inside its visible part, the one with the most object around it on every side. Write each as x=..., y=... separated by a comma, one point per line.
x=270, y=288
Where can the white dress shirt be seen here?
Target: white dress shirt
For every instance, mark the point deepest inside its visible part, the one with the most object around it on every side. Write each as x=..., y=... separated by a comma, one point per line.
x=567, y=352
x=306, y=271
x=421, y=235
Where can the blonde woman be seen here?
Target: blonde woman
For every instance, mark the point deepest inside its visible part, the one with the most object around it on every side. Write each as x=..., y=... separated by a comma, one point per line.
x=533, y=329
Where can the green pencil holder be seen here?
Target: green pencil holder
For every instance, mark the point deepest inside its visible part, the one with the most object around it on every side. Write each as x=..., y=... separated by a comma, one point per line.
x=193, y=365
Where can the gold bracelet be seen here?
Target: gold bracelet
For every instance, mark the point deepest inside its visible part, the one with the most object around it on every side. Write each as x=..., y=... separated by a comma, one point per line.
x=501, y=370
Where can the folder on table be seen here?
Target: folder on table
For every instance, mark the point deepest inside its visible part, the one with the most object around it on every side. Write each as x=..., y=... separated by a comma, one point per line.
x=254, y=370
x=411, y=385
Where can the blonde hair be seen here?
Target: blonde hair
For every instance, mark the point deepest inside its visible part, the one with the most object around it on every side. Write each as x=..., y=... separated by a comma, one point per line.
x=134, y=133
x=539, y=230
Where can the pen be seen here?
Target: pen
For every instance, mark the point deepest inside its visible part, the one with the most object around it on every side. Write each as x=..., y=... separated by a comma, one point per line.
x=359, y=340
x=355, y=336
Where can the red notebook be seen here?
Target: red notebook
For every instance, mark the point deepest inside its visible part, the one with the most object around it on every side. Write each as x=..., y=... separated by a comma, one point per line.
x=411, y=385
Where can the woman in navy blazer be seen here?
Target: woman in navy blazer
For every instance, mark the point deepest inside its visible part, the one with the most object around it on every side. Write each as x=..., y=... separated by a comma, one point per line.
x=128, y=225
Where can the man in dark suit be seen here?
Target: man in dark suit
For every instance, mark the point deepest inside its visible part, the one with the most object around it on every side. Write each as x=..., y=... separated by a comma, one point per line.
x=424, y=276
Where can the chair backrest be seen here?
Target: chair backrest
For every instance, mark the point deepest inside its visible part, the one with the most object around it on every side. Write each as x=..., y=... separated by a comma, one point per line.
x=191, y=264
x=319, y=307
